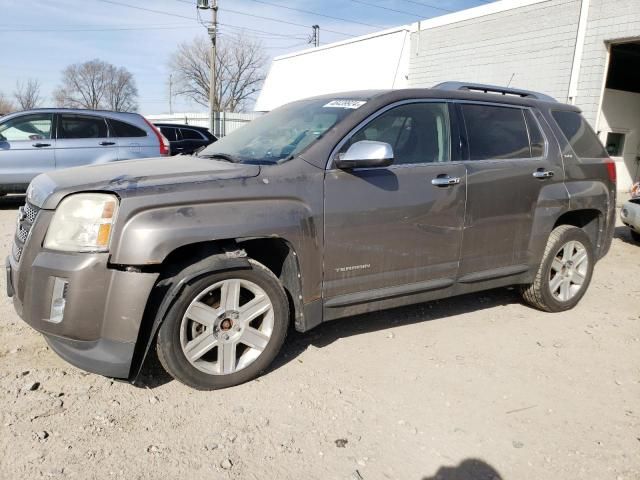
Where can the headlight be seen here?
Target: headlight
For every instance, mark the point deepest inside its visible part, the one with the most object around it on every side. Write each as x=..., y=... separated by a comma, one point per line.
x=82, y=223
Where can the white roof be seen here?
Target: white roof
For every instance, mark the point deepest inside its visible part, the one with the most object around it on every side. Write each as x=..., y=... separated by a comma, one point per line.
x=376, y=61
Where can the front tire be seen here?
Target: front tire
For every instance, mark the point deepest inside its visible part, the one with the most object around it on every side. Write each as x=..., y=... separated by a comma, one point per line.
x=635, y=235
x=564, y=273
x=225, y=328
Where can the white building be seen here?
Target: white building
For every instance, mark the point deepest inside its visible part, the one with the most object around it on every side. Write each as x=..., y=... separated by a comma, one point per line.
x=585, y=52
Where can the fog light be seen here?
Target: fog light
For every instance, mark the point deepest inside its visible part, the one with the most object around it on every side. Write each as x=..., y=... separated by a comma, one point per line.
x=58, y=300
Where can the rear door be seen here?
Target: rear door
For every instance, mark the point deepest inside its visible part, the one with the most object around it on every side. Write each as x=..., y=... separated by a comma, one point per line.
x=391, y=226
x=83, y=139
x=509, y=163
x=26, y=149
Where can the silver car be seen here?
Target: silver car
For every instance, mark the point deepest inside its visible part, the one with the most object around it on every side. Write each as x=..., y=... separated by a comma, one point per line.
x=36, y=141
x=630, y=213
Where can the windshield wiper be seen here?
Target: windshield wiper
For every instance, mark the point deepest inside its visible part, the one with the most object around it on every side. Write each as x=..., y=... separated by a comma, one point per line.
x=222, y=156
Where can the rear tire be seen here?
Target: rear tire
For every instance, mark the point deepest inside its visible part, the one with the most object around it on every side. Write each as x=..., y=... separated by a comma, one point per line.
x=635, y=235
x=224, y=329
x=564, y=273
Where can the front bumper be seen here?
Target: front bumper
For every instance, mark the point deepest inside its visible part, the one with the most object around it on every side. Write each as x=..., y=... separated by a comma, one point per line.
x=630, y=214
x=103, y=306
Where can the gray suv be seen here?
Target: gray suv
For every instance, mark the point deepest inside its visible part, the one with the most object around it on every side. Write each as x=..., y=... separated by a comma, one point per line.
x=322, y=209
x=37, y=141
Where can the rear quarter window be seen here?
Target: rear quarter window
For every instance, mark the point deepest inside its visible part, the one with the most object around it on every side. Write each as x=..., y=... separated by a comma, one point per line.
x=124, y=129
x=579, y=134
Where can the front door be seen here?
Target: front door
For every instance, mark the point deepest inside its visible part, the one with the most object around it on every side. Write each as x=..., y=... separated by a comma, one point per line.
x=392, y=227
x=26, y=150
x=82, y=140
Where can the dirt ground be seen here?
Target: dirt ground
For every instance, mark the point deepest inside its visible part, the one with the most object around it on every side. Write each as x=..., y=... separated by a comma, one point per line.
x=478, y=387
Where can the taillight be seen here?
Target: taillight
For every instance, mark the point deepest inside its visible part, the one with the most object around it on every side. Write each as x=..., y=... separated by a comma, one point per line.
x=164, y=143
x=611, y=170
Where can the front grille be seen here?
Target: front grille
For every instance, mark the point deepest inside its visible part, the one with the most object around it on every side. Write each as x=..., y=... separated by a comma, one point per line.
x=26, y=218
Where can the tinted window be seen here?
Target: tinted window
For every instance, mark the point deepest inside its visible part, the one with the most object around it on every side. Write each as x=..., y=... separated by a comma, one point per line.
x=188, y=134
x=496, y=132
x=579, y=134
x=169, y=133
x=27, y=127
x=418, y=133
x=535, y=135
x=124, y=129
x=81, y=126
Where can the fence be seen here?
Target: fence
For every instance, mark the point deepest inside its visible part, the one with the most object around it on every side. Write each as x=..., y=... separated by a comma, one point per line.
x=225, y=122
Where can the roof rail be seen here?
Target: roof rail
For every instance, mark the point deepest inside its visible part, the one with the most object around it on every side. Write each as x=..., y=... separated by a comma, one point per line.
x=479, y=87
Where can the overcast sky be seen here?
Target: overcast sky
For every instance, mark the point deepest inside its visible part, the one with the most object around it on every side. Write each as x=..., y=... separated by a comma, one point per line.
x=40, y=37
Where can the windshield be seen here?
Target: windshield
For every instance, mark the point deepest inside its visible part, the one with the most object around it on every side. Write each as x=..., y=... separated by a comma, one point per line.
x=283, y=133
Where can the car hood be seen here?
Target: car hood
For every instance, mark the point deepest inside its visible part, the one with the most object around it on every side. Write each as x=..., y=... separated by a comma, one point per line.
x=127, y=177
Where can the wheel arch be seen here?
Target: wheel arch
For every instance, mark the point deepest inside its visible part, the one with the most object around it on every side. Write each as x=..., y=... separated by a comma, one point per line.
x=188, y=263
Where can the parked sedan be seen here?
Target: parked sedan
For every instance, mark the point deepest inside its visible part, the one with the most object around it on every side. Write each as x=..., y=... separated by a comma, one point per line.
x=37, y=141
x=186, y=139
x=630, y=213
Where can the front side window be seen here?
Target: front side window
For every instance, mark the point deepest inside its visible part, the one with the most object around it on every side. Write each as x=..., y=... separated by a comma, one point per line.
x=579, y=134
x=417, y=132
x=495, y=132
x=27, y=128
x=283, y=133
x=81, y=126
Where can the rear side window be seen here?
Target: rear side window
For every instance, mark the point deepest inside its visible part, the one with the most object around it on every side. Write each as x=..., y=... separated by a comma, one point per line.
x=81, y=126
x=535, y=135
x=188, y=134
x=579, y=134
x=170, y=133
x=124, y=129
x=496, y=132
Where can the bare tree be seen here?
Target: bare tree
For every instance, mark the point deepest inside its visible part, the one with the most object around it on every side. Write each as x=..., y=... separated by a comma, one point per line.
x=6, y=106
x=97, y=85
x=240, y=71
x=27, y=94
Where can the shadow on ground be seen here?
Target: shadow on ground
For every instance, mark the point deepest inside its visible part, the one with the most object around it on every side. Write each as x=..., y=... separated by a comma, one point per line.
x=469, y=469
x=153, y=375
x=624, y=234
x=11, y=202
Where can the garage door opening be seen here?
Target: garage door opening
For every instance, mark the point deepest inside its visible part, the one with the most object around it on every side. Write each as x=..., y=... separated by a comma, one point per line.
x=619, y=127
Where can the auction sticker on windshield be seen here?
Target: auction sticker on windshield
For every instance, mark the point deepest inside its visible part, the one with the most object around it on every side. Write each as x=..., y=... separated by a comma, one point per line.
x=345, y=104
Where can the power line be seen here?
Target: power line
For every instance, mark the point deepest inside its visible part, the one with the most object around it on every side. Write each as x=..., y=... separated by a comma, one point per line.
x=262, y=17
x=160, y=12
x=106, y=29
x=317, y=14
x=385, y=8
x=422, y=4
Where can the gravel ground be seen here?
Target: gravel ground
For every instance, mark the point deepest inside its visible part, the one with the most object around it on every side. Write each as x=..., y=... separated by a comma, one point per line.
x=476, y=387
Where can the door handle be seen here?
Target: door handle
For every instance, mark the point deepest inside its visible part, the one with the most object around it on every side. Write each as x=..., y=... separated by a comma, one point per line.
x=445, y=181
x=543, y=174
x=106, y=144
x=40, y=145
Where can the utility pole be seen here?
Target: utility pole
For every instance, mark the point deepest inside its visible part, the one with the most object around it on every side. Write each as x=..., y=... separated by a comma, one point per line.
x=315, y=36
x=212, y=30
x=170, y=94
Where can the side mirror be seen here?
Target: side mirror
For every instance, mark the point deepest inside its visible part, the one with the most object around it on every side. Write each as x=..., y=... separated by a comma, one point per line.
x=366, y=153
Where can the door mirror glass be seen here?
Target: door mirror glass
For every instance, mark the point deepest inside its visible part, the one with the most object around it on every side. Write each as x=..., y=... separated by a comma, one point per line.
x=366, y=153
